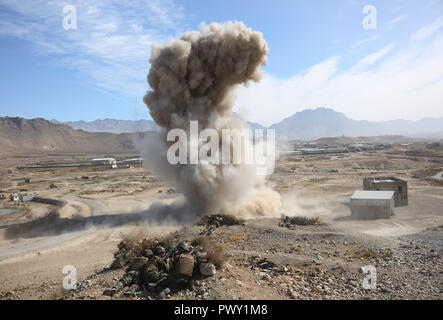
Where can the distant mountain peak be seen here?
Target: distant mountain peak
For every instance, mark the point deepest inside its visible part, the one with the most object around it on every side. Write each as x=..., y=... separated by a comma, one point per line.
x=19, y=135
x=312, y=124
x=308, y=124
x=113, y=125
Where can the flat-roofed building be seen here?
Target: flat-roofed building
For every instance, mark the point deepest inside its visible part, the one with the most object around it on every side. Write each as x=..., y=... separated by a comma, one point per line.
x=369, y=205
x=133, y=161
x=400, y=187
x=105, y=162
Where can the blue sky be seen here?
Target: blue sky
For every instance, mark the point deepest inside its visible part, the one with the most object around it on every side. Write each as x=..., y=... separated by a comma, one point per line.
x=320, y=56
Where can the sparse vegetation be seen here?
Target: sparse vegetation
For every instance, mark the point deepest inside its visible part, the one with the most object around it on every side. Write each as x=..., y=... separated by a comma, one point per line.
x=325, y=260
x=226, y=220
x=59, y=293
x=238, y=236
x=214, y=250
x=166, y=241
x=129, y=248
x=304, y=221
x=371, y=253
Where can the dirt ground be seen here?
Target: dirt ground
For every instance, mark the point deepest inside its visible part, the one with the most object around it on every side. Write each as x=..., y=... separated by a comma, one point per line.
x=309, y=262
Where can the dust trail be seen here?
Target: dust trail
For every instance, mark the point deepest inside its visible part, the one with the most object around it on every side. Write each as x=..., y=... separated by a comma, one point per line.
x=305, y=204
x=193, y=79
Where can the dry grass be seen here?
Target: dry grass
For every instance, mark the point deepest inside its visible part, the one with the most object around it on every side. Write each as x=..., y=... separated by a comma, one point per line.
x=304, y=221
x=369, y=254
x=131, y=241
x=238, y=237
x=214, y=251
x=59, y=293
x=227, y=220
x=167, y=241
x=129, y=248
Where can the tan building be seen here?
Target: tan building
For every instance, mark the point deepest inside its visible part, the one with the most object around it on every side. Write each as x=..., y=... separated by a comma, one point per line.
x=400, y=187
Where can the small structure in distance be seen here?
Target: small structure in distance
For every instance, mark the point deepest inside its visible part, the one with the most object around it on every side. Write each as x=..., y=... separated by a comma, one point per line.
x=5, y=195
x=105, y=162
x=369, y=205
x=400, y=187
x=133, y=161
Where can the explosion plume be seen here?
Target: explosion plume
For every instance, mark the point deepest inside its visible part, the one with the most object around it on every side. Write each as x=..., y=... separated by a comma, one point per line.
x=192, y=79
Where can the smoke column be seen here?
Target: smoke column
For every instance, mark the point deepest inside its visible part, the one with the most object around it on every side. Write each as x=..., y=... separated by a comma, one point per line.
x=193, y=78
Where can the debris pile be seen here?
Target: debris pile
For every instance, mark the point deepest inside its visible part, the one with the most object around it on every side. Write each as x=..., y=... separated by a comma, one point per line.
x=155, y=268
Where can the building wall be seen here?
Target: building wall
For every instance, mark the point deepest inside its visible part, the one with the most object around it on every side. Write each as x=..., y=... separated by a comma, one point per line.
x=105, y=162
x=5, y=195
x=369, y=209
x=399, y=186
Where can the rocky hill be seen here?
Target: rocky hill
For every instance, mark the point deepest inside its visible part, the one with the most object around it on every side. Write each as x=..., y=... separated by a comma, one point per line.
x=324, y=122
x=127, y=126
x=306, y=125
x=112, y=125
x=18, y=135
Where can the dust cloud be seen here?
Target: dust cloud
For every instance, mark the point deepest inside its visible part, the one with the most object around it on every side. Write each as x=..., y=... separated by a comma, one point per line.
x=193, y=79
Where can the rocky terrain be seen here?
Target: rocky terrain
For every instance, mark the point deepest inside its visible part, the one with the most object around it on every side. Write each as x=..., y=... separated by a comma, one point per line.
x=266, y=261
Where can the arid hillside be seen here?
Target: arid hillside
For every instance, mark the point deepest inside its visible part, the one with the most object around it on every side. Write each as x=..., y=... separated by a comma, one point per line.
x=18, y=135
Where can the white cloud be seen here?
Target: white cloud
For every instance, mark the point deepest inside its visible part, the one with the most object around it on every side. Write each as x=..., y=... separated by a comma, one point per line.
x=373, y=58
x=427, y=30
x=112, y=47
x=364, y=41
x=397, y=19
x=111, y=44
x=405, y=84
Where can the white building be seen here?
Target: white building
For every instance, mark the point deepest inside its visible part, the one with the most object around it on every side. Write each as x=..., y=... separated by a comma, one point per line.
x=372, y=204
x=133, y=161
x=105, y=162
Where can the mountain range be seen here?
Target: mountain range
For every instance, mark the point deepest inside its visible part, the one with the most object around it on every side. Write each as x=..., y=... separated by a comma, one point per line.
x=304, y=125
x=18, y=135
x=324, y=122
x=112, y=125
